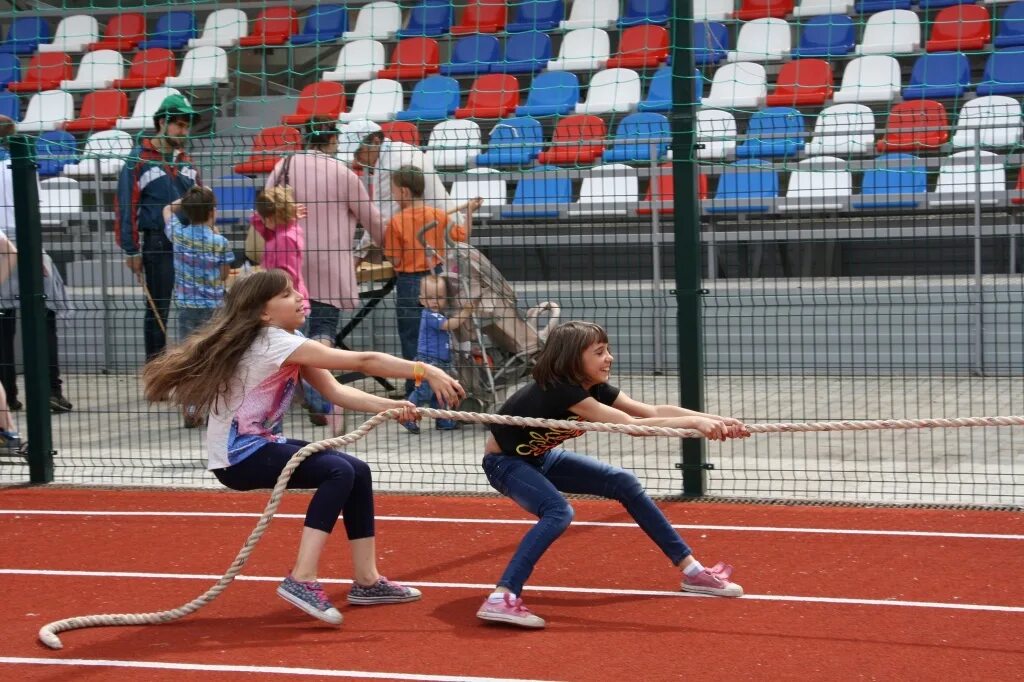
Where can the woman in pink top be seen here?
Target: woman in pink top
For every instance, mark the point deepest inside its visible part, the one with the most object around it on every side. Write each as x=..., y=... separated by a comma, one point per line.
x=276, y=219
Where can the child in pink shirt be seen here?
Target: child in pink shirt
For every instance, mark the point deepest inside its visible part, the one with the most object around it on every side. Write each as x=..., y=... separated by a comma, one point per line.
x=276, y=219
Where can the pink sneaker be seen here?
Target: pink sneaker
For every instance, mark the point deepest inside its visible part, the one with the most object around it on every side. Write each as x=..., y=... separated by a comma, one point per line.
x=511, y=611
x=714, y=581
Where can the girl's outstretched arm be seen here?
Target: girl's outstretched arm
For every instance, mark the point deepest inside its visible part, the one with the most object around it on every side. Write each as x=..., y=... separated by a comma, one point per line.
x=712, y=428
x=351, y=398
x=639, y=409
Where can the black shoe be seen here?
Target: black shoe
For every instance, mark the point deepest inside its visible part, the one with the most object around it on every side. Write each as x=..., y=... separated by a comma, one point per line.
x=60, y=404
x=15, y=405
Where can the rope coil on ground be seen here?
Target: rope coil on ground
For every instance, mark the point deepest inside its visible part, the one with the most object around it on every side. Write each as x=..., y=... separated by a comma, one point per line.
x=48, y=633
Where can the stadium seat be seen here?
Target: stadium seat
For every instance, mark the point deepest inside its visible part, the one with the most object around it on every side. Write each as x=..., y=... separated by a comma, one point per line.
x=453, y=144
x=710, y=43
x=817, y=8
x=96, y=71
x=591, y=14
x=10, y=105
x=429, y=18
x=871, y=6
x=659, y=91
x=635, y=136
x=413, y=59
x=273, y=26
x=73, y=34
x=322, y=98
x=1004, y=74
x=894, y=31
x=539, y=197
x=359, y=60
x=821, y=183
x=378, y=100
x=10, y=70
x=536, y=15
x=401, y=131
x=966, y=179
x=202, y=67
x=1019, y=199
x=222, y=28
x=641, y=47
x=481, y=182
x=149, y=69
x=123, y=33
x=705, y=10
x=433, y=99
x=145, y=107
x=802, y=82
x=716, y=132
x=552, y=93
x=526, y=52
x=578, y=140
x=661, y=192
x=875, y=78
x=60, y=200
x=100, y=111
x=25, y=34
x=610, y=189
x=843, y=130
x=47, y=110
x=639, y=12
x=748, y=186
x=994, y=121
x=45, y=71
x=960, y=29
x=939, y=75
x=900, y=181
x=472, y=56
x=235, y=195
x=915, y=126
x=376, y=21
x=482, y=16
x=323, y=24
x=762, y=40
x=772, y=132
x=54, y=150
x=267, y=149
x=742, y=85
x=830, y=35
x=1010, y=27
x=513, y=142
x=105, y=152
x=611, y=91
x=763, y=9
x=173, y=31
x=495, y=95
x=585, y=49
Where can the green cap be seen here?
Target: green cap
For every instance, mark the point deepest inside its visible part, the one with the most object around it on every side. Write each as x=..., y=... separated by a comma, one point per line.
x=175, y=105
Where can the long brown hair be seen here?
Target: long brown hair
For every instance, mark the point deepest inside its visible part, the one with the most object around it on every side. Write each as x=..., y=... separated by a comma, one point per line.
x=197, y=371
x=562, y=356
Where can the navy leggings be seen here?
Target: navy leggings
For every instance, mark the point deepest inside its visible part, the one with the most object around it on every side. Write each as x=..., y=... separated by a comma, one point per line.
x=343, y=484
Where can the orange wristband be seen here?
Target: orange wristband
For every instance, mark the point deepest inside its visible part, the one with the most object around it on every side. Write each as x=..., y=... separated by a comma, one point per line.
x=419, y=372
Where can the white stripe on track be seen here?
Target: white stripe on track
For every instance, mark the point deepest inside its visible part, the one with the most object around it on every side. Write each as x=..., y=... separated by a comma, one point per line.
x=522, y=522
x=531, y=588
x=252, y=669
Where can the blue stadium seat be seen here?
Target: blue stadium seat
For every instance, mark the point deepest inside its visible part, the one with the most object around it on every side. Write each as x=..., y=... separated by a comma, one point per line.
x=10, y=70
x=552, y=93
x=710, y=42
x=540, y=197
x=633, y=136
x=1004, y=74
x=536, y=15
x=527, y=52
x=749, y=187
x=25, y=35
x=473, y=56
x=775, y=131
x=646, y=12
x=10, y=106
x=873, y=6
x=881, y=186
x=939, y=75
x=1010, y=27
x=429, y=18
x=828, y=35
x=513, y=142
x=433, y=99
x=324, y=24
x=54, y=150
x=659, y=92
x=173, y=31
x=235, y=198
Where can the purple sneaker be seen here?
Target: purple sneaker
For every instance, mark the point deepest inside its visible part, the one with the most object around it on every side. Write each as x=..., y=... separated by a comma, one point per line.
x=310, y=597
x=714, y=581
x=384, y=591
x=509, y=610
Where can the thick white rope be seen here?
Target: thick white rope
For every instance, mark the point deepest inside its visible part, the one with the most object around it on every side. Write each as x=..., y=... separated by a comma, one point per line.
x=48, y=633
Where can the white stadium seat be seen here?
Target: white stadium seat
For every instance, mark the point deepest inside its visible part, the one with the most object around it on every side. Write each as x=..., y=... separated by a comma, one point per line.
x=223, y=28
x=47, y=111
x=376, y=100
x=875, y=78
x=585, y=49
x=611, y=91
x=359, y=60
x=97, y=71
x=376, y=21
x=453, y=144
x=843, y=130
x=742, y=85
x=762, y=40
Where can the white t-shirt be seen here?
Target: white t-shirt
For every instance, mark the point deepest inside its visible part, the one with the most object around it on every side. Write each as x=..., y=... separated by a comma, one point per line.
x=259, y=393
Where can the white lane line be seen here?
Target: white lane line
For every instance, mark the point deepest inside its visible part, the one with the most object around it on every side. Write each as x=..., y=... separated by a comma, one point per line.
x=531, y=588
x=521, y=522
x=257, y=669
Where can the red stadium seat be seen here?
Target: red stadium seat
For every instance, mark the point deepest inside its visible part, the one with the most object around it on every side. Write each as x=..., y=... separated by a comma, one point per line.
x=413, y=58
x=641, y=47
x=273, y=26
x=960, y=28
x=323, y=98
x=482, y=16
x=667, y=192
x=100, y=111
x=586, y=131
x=401, y=131
x=268, y=148
x=802, y=82
x=915, y=126
x=44, y=72
x=149, y=69
x=495, y=95
x=762, y=9
x=123, y=33
x=1020, y=186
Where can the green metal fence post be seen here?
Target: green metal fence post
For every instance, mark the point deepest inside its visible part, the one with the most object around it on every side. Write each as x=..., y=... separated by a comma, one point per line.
x=33, y=310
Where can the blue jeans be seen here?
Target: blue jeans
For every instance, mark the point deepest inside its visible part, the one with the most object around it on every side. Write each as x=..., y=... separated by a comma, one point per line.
x=424, y=395
x=408, y=310
x=534, y=484
x=191, y=319
x=322, y=321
